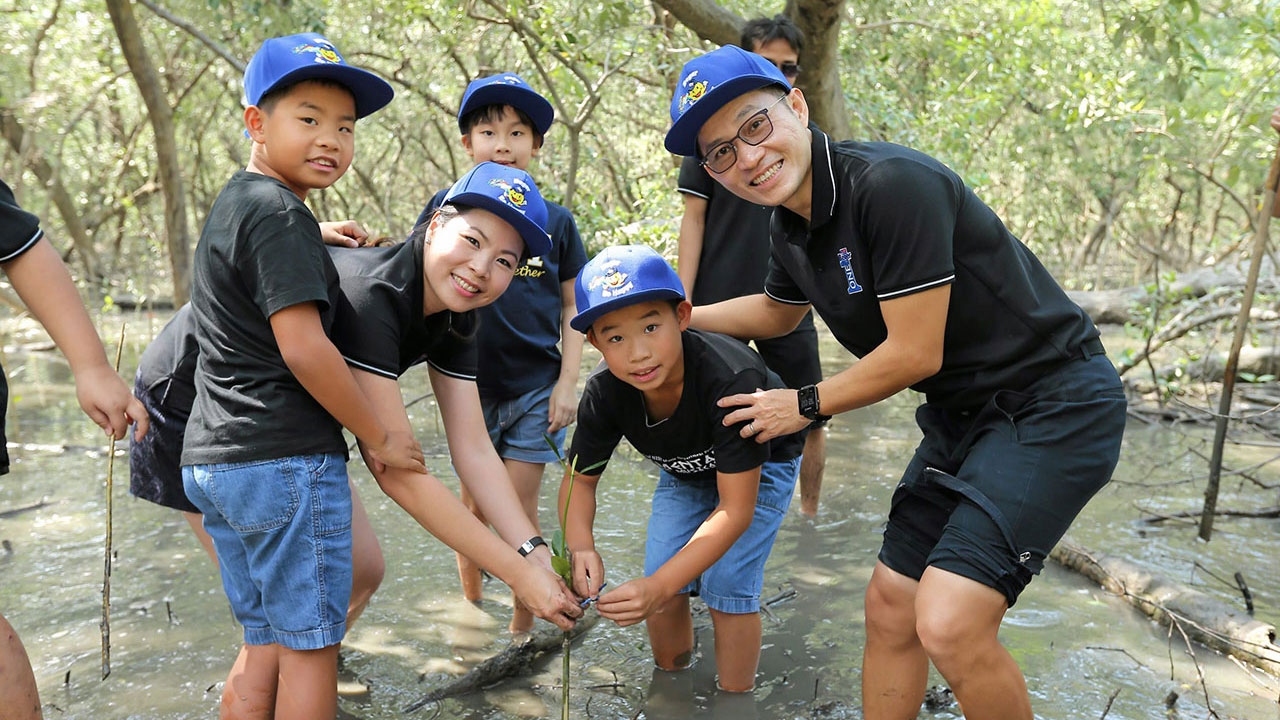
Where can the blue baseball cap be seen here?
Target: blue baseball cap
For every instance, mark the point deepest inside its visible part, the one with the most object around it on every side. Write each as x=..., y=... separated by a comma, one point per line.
x=621, y=276
x=507, y=89
x=294, y=58
x=707, y=83
x=509, y=193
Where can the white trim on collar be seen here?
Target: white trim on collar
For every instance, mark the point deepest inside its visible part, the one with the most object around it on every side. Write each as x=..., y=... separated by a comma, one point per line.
x=826, y=141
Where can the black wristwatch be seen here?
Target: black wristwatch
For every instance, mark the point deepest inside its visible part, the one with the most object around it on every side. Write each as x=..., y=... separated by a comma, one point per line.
x=530, y=544
x=810, y=406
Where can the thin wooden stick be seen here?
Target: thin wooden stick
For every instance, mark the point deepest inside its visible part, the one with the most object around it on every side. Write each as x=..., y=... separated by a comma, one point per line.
x=1233, y=356
x=106, y=563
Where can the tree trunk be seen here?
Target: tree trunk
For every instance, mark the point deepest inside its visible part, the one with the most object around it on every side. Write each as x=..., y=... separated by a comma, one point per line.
x=1204, y=619
x=39, y=165
x=820, y=78
x=161, y=116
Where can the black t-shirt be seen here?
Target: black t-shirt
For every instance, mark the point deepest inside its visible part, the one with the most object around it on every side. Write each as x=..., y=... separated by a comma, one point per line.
x=259, y=252
x=19, y=230
x=693, y=444
x=735, y=240
x=519, y=331
x=888, y=221
x=168, y=365
x=379, y=325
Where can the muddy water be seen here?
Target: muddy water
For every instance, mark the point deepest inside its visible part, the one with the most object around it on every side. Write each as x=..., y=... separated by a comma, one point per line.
x=173, y=638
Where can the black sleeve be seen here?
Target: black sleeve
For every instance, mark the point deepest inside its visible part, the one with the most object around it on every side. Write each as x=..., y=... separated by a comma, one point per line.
x=735, y=453
x=907, y=211
x=19, y=229
x=282, y=261
x=596, y=435
x=694, y=179
x=367, y=334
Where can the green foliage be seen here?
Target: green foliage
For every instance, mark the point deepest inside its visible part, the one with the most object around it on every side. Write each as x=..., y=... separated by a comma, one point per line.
x=1106, y=135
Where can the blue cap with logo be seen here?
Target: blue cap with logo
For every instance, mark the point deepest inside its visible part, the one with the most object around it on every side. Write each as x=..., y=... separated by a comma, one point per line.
x=509, y=193
x=294, y=58
x=620, y=276
x=709, y=82
x=507, y=89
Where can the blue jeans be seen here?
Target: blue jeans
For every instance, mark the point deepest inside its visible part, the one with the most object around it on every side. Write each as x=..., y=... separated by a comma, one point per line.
x=733, y=583
x=517, y=426
x=282, y=531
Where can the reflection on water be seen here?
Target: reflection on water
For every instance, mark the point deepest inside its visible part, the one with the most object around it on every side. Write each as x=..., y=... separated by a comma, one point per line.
x=173, y=638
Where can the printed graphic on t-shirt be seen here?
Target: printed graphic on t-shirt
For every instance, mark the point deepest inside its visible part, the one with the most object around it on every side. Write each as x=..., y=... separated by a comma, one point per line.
x=687, y=465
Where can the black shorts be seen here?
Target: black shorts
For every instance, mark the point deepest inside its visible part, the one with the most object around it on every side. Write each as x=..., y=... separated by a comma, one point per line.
x=794, y=356
x=155, y=462
x=989, y=492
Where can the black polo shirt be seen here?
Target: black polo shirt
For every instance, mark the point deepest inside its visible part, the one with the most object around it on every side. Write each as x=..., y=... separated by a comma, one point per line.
x=379, y=324
x=888, y=221
x=735, y=240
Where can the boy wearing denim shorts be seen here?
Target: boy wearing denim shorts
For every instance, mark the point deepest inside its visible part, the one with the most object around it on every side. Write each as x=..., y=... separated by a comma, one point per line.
x=263, y=455
x=528, y=386
x=921, y=280
x=721, y=496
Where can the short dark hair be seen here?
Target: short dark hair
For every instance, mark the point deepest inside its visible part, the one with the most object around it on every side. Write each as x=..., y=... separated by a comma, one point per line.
x=490, y=113
x=764, y=30
x=268, y=101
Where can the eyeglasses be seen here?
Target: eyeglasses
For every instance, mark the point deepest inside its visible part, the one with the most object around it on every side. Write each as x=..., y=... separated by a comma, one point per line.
x=789, y=70
x=754, y=131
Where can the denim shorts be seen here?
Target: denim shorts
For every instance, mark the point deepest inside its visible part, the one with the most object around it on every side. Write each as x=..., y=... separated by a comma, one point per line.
x=282, y=530
x=517, y=427
x=732, y=585
x=990, y=491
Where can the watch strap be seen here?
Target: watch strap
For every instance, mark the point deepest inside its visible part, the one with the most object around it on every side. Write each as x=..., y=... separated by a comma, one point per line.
x=530, y=544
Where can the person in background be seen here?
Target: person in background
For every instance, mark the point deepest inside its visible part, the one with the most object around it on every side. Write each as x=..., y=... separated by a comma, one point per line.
x=528, y=385
x=916, y=276
x=723, y=253
x=37, y=274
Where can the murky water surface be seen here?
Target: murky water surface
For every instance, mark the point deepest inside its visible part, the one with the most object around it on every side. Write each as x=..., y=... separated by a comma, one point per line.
x=173, y=638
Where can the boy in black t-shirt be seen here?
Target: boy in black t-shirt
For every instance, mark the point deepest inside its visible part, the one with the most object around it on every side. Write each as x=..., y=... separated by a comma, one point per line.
x=530, y=359
x=921, y=280
x=721, y=496
x=38, y=276
x=263, y=455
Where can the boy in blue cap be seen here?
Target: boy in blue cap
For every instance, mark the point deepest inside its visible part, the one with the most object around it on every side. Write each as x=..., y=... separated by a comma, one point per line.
x=1023, y=412
x=528, y=386
x=721, y=496
x=263, y=455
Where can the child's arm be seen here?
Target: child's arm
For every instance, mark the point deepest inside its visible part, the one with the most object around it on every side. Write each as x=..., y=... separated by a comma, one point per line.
x=44, y=284
x=579, y=524
x=438, y=510
x=343, y=233
x=319, y=367
x=564, y=396
x=689, y=244
x=636, y=600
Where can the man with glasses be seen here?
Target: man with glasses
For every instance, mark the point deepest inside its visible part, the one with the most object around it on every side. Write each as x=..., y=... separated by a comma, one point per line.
x=1023, y=413
x=723, y=253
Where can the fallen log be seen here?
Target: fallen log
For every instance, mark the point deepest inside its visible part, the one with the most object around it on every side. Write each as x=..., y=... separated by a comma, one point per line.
x=1201, y=617
x=515, y=660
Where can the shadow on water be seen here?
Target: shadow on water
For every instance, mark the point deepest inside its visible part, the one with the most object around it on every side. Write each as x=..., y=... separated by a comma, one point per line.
x=173, y=638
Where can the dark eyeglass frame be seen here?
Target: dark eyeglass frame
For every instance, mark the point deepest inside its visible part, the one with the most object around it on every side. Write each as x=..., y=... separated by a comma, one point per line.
x=763, y=112
x=789, y=70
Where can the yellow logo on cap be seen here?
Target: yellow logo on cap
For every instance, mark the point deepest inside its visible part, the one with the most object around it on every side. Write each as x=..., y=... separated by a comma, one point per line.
x=513, y=195
x=324, y=53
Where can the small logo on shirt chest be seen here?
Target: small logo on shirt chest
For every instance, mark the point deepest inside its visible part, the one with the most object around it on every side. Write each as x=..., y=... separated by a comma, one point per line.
x=846, y=262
